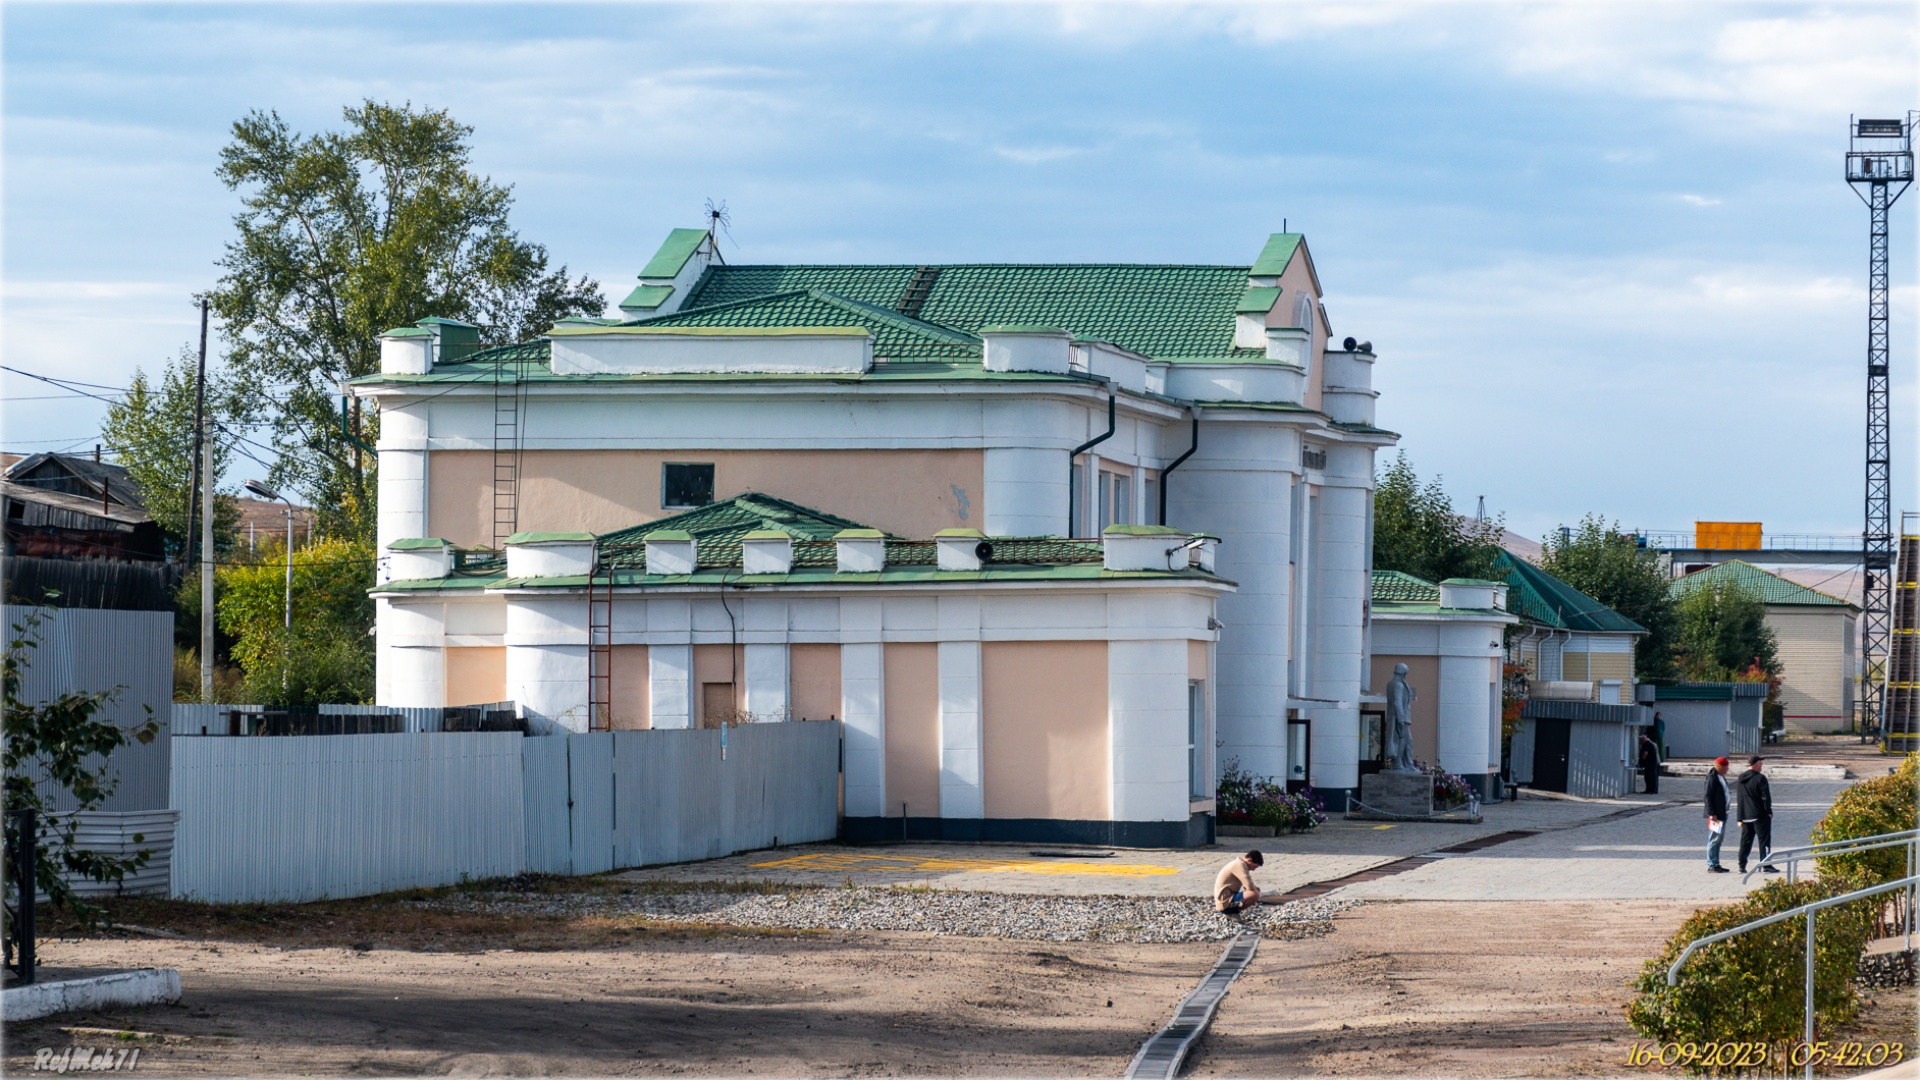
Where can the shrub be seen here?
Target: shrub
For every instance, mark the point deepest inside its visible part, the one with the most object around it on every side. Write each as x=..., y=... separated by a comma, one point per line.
x=1449, y=789
x=1881, y=805
x=1243, y=798
x=1749, y=988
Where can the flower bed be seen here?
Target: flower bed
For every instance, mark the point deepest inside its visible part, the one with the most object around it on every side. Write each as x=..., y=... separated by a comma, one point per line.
x=1242, y=798
x=1449, y=789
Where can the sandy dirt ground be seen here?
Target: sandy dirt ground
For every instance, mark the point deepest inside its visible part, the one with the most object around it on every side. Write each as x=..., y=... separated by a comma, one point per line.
x=1399, y=989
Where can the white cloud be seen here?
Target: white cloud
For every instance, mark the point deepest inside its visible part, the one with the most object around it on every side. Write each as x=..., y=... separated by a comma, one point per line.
x=1037, y=155
x=1699, y=200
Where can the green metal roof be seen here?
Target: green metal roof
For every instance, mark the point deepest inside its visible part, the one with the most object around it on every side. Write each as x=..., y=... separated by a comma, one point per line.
x=825, y=574
x=1771, y=588
x=895, y=336
x=1257, y=301
x=1163, y=312
x=718, y=528
x=646, y=296
x=549, y=537
x=1394, y=587
x=1539, y=597
x=1276, y=255
x=679, y=247
x=418, y=543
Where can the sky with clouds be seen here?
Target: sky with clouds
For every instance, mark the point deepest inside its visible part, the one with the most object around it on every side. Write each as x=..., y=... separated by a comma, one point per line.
x=1604, y=251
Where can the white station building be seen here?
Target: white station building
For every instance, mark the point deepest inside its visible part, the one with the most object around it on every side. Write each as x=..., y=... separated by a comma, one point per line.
x=1053, y=541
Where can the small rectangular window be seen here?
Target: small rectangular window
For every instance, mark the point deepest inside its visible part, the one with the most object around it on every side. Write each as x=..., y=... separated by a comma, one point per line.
x=1151, y=489
x=1197, y=740
x=683, y=486
x=1122, y=500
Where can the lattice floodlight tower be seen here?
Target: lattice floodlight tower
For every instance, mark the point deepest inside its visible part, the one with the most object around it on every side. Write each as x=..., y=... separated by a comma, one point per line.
x=1879, y=168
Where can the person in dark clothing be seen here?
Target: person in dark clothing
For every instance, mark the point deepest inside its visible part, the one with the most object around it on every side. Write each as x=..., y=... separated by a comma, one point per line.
x=1755, y=802
x=1650, y=762
x=1716, y=815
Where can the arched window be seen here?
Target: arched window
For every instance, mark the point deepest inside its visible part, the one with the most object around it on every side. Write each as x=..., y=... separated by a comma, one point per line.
x=1303, y=311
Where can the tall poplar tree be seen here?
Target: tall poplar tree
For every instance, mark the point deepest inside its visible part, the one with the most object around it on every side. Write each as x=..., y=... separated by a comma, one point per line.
x=343, y=235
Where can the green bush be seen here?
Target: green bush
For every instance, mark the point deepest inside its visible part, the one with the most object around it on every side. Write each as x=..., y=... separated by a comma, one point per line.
x=1883, y=804
x=1750, y=988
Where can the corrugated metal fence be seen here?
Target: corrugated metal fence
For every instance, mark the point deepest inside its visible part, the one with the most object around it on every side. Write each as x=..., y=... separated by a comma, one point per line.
x=90, y=649
x=307, y=817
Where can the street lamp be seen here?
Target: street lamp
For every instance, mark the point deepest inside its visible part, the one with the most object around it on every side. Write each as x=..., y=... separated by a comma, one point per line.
x=266, y=492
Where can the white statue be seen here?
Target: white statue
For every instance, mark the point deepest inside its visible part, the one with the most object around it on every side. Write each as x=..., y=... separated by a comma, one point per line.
x=1400, y=699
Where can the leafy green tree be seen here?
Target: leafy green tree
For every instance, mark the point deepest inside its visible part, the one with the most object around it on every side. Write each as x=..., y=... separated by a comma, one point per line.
x=1416, y=531
x=1722, y=631
x=151, y=433
x=347, y=234
x=1610, y=566
x=63, y=741
x=328, y=655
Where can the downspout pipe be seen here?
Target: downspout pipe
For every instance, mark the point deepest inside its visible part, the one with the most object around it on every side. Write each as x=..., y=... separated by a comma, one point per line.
x=1175, y=463
x=1073, y=502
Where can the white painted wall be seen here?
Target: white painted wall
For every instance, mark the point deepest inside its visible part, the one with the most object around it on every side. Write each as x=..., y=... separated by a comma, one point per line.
x=1147, y=703
x=630, y=352
x=862, y=695
x=961, y=768
x=1342, y=583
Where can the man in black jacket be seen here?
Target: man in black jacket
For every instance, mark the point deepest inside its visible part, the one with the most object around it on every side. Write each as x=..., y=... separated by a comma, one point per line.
x=1650, y=762
x=1755, y=799
x=1717, y=815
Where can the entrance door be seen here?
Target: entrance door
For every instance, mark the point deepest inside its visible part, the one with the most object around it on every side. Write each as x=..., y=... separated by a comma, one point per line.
x=1551, y=740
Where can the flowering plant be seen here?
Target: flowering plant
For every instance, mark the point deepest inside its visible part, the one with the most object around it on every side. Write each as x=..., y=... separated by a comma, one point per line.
x=1242, y=798
x=1449, y=789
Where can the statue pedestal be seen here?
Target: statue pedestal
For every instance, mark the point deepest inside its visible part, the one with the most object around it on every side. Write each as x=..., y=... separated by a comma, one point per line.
x=1399, y=794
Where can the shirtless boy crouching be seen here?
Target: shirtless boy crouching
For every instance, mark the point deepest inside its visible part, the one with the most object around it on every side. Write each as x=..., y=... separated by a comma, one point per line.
x=1233, y=889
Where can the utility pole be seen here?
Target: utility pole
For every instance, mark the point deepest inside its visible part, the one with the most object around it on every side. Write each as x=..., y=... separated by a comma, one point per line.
x=193, y=462
x=204, y=444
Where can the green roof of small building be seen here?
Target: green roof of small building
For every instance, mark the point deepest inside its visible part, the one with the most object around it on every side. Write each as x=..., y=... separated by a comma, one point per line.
x=768, y=534
x=859, y=534
x=1141, y=530
x=663, y=536
x=1394, y=587
x=418, y=543
x=1771, y=588
x=407, y=331
x=548, y=537
x=1539, y=597
x=1473, y=581
x=960, y=534
x=674, y=253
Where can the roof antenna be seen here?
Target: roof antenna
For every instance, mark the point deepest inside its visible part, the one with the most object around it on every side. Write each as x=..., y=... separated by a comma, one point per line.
x=1283, y=224
x=719, y=218
x=1481, y=514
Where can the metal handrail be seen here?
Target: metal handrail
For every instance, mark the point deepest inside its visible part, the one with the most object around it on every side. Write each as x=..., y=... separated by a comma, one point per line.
x=1673, y=973
x=1793, y=856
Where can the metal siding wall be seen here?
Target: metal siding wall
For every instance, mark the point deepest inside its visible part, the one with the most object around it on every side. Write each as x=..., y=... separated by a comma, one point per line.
x=1596, y=759
x=295, y=819
x=590, y=776
x=1521, y=756
x=544, y=782
x=87, y=649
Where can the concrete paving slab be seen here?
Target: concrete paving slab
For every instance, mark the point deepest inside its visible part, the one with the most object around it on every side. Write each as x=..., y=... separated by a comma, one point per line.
x=1657, y=855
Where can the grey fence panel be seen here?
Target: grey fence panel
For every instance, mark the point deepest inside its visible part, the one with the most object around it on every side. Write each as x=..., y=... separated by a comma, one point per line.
x=1597, y=759
x=304, y=818
x=591, y=786
x=127, y=652
x=783, y=782
x=1520, y=757
x=549, y=831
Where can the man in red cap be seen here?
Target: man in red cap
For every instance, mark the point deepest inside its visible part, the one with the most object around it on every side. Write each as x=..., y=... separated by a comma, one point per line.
x=1717, y=814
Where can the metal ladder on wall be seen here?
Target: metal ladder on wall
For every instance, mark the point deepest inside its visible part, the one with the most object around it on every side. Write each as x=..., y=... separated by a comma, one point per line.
x=915, y=297
x=506, y=451
x=600, y=646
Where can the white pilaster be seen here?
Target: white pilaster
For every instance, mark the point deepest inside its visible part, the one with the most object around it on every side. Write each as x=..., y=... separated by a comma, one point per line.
x=669, y=684
x=1238, y=486
x=861, y=697
x=546, y=639
x=1026, y=491
x=766, y=682
x=1147, y=706
x=403, y=500
x=961, y=795
x=1341, y=587
x=1463, y=715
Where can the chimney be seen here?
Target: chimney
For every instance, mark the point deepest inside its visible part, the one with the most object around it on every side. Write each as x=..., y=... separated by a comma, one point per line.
x=860, y=551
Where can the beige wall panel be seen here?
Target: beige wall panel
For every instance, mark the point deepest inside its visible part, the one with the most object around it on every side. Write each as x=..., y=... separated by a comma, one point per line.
x=711, y=667
x=1197, y=659
x=630, y=688
x=813, y=679
x=1815, y=654
x=1609, y=666
x=1423, y=674
x=906, y=492
x=911, y=681
x=1575, y=667
x=476, y=675
x=1298, y=279
x=1045, y=728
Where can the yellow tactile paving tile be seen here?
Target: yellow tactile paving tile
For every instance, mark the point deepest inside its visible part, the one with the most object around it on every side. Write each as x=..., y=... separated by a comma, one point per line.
x=916, y=864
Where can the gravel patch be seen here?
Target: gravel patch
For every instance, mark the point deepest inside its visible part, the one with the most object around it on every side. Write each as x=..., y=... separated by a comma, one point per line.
x=1141, y=919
